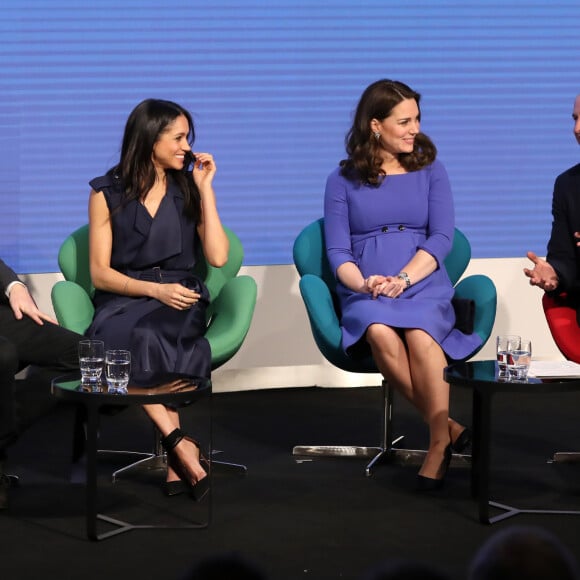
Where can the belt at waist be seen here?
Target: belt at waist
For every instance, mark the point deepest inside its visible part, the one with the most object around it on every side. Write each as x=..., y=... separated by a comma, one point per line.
x=387, y=229
x=158, y=274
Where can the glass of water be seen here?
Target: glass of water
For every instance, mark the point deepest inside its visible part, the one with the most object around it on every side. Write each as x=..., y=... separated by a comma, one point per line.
x=505, y=343
x=91, y=358
x=519, y=359
x=117, y=370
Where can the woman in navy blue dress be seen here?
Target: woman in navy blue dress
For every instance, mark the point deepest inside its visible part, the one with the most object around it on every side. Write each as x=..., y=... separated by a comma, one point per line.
x=389, y=224
x=149, y=217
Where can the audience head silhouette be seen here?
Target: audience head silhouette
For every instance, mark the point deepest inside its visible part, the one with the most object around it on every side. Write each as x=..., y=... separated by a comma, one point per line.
x=225, y=567
x=524, y=553
x=405, y=570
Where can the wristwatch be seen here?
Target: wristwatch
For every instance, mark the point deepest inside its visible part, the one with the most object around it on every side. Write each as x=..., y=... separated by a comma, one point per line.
x=405, y=277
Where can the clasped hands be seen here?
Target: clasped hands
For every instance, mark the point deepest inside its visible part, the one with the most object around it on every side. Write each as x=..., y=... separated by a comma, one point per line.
x=389, y=286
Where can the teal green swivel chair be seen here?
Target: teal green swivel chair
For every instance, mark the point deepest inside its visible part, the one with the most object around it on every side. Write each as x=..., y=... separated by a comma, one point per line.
x=318, y=290
x=233, y=299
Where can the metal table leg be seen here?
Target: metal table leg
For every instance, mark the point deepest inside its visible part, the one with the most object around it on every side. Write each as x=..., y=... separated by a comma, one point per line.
x=91, y=475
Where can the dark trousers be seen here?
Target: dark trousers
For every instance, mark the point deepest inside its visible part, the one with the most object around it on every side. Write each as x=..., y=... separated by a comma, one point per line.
x=51, y=350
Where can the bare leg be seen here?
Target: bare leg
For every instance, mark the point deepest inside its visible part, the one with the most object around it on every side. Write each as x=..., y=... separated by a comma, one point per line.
x=167, y=420
x=455, y=429
x=427, y=361
x=392, y=359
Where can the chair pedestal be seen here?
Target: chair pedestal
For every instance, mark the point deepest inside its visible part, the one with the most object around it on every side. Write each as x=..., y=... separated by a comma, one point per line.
x=157, y=460
x=411, y=457
x=146, y=462
x=377, y=455
x=237, y=468
x=14, y=480
x=152, y=462
x=566, y=457
x=385, y=453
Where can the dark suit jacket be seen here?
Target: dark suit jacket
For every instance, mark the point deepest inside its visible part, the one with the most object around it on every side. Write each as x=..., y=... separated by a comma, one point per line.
x=563, y=254
x=7, y=275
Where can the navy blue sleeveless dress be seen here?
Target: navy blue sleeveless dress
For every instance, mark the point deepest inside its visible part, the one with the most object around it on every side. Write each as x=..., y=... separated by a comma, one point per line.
x=163, y=341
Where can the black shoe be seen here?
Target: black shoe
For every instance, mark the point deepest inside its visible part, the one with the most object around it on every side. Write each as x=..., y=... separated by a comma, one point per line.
x=177, y=487
x=197, y=490
x=462, y=442
x=430, y=483
x=4, y=486
x=200, y=489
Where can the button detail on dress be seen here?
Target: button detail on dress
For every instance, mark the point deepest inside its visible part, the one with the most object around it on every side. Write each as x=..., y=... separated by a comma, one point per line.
x=385, y=229
x=401, y=228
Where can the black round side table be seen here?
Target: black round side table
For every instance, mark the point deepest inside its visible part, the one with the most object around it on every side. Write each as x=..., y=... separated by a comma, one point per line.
x=175, y=390
x=482, y=378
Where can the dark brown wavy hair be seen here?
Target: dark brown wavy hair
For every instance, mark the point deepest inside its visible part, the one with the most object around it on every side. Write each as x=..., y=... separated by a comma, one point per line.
x=364, y=159
x=148, y=120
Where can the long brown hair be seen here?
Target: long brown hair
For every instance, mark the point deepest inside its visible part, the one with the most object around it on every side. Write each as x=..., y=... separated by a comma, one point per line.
x=364, y=159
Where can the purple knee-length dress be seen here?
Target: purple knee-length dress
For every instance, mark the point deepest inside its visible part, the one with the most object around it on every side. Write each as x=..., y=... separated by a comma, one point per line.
x=162, y=340
x=380, y=228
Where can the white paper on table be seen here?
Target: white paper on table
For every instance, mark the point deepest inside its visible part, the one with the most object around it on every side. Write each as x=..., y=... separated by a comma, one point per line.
x=565, y=369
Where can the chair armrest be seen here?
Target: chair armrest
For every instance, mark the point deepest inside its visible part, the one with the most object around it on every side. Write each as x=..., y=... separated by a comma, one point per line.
x=321, y=312
x=232, y=313
x=482, y=291
x=73, y=307
x=325, y=326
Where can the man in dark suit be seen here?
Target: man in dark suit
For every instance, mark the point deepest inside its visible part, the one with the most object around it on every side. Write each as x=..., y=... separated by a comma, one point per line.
x=560, y=271
x=27, y=337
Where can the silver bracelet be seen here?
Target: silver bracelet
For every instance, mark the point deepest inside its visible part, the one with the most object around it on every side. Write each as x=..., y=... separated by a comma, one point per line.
x=405, y=277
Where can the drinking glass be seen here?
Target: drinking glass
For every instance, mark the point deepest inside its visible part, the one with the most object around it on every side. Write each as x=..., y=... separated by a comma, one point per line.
x=504, y=343
x=117, y=370
x=519, y=359
x=91, y=357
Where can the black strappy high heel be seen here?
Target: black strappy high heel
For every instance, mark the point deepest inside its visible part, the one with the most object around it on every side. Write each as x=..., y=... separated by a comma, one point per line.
x=170, y=488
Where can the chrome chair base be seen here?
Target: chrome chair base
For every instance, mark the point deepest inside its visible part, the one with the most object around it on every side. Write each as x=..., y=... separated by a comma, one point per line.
x=336, y=451
x=152, y=462
x=158, y=461
x=148, y=462
x=377, y=455
x=566, y=457
x=235, y=467
x=13, y=479
x=385, y=453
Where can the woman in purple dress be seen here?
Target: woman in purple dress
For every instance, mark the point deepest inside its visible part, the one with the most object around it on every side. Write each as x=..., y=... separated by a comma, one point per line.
x=389, y=224
x=149, y=217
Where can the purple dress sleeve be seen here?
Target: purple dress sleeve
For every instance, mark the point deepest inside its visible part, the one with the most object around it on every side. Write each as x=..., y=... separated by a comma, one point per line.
x=441, y=226
x=336, y=222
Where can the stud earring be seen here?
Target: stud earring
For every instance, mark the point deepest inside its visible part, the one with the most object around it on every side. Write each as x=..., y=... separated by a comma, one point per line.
x=377, y=135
